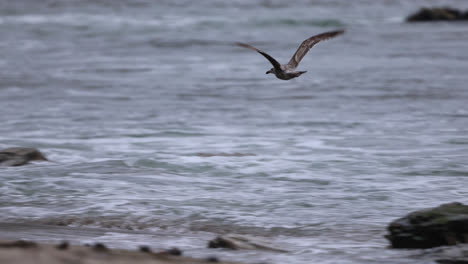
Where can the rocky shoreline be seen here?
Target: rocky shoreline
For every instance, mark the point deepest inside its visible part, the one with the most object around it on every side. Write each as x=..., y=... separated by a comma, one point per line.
x=428, y=14
x=28, y=252
x=444, y=228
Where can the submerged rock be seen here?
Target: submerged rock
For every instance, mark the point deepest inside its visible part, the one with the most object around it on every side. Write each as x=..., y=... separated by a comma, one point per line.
x=19, y=156
x=437, y=14
x=440, y=226
x=237, y=242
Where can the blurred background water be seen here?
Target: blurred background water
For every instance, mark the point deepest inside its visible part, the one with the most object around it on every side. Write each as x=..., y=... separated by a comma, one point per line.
x=159, y=128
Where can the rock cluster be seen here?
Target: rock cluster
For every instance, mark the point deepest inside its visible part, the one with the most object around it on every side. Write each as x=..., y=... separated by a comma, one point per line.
x=440, y=226
x=438, y=14
x=19, y=156
x=236, y=242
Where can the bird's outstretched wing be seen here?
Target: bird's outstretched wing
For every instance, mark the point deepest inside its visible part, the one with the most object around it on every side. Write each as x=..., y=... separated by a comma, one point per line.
x=274, y=62
x=308, y=44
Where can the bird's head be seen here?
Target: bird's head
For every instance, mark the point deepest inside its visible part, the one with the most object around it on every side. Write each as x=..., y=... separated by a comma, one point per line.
x=272, y=70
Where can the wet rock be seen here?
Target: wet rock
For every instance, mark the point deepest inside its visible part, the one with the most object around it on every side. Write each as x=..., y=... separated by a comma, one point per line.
x=437, y=14
x=19, y=156
x=443, y=225
x=237, y=242
x=174, y=252
x=212, y=259
x=18, y=244
x=145, y=249
x=63, y=245
x=100, y=247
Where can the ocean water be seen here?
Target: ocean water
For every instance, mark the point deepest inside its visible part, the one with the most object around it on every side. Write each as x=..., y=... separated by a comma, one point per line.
x=160, y=131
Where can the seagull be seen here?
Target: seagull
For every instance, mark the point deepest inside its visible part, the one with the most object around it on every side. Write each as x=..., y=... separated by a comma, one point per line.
x=288, y=71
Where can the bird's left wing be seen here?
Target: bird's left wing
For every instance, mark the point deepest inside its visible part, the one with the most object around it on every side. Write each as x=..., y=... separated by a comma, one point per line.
x=308, y=44
x=272, y=60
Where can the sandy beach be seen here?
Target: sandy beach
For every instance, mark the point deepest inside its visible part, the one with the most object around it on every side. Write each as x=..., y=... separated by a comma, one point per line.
x=28, y=252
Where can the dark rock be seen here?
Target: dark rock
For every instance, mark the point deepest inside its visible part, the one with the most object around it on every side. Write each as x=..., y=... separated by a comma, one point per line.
x=100, y=247
x=145, y=249
x=63, y=245
x=443, y=225
x=236, y=242
x=18, y=244
x=19, y=156
x=221, y=242
x=212, y=259
x=174, y=252
x=437, y=14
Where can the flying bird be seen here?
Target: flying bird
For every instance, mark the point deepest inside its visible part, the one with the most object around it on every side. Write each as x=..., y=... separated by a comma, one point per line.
x=288, y=71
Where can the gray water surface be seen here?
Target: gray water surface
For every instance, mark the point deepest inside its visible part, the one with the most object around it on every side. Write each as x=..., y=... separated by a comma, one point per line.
x=161, y=130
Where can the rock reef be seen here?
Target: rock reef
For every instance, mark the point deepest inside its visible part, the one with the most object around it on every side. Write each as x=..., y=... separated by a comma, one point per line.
x=20, y=156
x=440, y=226
x=237, y=242
x=438, y=14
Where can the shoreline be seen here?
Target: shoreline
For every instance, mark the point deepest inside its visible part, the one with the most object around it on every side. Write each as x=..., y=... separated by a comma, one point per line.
x=27, y=243
x=29, y=252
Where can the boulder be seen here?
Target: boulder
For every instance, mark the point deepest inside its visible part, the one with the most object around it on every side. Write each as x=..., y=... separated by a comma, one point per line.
x=19, y=156
x=437, y=14
x=237, y=242
x=439, y=226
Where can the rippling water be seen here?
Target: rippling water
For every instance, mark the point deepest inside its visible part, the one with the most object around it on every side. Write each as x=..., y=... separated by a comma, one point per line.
x=162, y=130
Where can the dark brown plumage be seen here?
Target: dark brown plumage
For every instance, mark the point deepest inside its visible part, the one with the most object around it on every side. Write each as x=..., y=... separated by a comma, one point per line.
x=288, y=71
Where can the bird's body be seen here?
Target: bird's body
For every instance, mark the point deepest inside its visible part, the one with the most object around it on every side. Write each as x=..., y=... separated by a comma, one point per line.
x=288, y=71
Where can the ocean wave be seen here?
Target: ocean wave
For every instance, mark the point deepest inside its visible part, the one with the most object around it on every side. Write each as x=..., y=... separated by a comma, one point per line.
x=298, y=22
x=184, y=43
x=163, y=22
x=76, y=20
x=146, y=223
x=114, y=21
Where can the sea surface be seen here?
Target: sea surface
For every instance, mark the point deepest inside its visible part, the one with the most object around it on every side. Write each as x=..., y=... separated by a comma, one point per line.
x=161, y=132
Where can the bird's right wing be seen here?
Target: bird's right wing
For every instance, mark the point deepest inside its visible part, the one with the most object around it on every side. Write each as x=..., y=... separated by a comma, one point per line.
x=275, y=63
x=308, y=44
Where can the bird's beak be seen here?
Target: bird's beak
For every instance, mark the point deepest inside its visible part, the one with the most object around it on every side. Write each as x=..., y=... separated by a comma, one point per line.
x=268, y=72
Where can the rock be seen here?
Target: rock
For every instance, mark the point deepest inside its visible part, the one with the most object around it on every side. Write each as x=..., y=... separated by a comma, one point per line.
x=443, y=225
x=19, y=156
x=174, y=252
x=100, y=247
x=437, y=14
x=145, y=249
x=63, y=245
x=23, y=252
x=237, y=242
x=212, y=259
x=18, y=244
